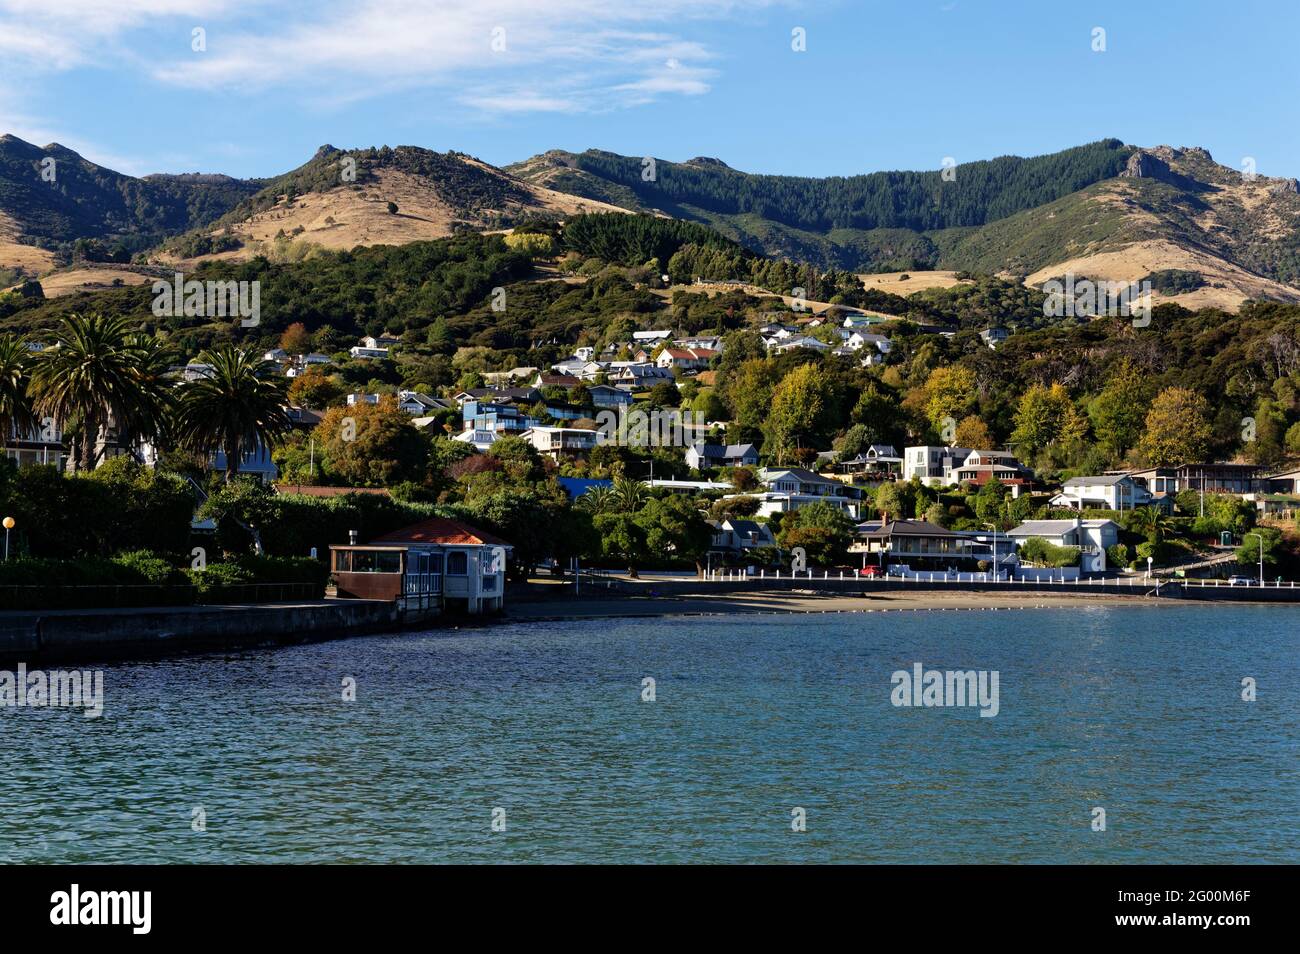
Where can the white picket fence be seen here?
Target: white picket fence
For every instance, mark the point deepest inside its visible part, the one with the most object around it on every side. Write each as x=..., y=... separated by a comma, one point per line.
x=1136, y=580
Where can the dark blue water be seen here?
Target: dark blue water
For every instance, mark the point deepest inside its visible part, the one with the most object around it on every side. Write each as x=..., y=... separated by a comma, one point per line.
x=1136, y=710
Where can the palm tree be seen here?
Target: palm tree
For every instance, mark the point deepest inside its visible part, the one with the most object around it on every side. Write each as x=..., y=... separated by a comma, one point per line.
x=1152, y=522
x=16, y=415
x=235, y=408
x=629, y=495
x=596, y=500
x=97, y=373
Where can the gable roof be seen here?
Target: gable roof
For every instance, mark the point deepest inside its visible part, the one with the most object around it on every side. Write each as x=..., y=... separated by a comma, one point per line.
x=442, y=530
x=705, y=449
x=1102, y=480
x=800, y=474
x=1054, y=528
x=910, y=528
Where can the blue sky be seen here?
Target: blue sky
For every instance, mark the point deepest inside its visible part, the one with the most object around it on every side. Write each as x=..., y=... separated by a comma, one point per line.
x=889, y=84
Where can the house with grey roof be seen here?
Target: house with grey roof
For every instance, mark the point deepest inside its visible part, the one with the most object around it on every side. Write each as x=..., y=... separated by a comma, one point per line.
x=1103, y=492
x=738, y=536
x=1091, y=537
x=702, y=455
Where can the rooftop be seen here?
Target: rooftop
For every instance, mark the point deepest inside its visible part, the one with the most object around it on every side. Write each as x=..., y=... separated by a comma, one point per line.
x=442, y=530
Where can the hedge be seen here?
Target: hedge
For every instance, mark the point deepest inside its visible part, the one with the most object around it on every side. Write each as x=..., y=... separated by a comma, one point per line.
x=143, y=578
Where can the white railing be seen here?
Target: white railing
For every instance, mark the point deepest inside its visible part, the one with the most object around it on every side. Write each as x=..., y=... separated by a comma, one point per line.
x=733, y=575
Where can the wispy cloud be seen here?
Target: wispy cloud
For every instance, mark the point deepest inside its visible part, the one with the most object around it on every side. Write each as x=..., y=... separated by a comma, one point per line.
x=505, y=56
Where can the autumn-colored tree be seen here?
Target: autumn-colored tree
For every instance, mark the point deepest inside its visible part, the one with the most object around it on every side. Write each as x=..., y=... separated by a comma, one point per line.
x=798, y=404
x=950, y=393
x=296, y=339
x=972, y=432
x=1046, y=416
x=314, y=388
x=1177, y=428
x=372, y=445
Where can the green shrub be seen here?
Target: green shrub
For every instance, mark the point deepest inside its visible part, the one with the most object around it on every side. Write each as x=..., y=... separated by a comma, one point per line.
x=140, y=578
x=1039, y=552
x=1117, y=554
x=214, y=576
x=149, y=567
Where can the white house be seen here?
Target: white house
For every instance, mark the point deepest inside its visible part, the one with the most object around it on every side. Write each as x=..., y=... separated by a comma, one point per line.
x=790, y=488
x=737, y=536
x=994, y=336
x=804, y=341
x=858, y=340
x=933, y=465
x=557, y=442
x=1092, y=537
x=358, y=351
x=195, y=371
x=687, y=359
x=1104, y=492
x=479, y=438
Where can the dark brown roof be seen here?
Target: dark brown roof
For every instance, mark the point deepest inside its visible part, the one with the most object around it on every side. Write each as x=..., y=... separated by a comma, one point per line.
x=911, y=528
x=441, y=530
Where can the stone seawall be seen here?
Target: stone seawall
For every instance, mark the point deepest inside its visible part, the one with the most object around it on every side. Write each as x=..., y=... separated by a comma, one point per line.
x=86, y=635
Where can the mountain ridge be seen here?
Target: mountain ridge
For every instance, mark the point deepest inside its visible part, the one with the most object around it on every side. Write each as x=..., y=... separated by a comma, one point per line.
x=1103, y=210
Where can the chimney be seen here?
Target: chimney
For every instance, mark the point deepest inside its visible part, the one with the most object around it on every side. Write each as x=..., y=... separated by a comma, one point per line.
x=352, y=537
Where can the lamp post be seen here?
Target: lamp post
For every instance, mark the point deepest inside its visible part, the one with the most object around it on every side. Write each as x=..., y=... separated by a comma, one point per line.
x=994, y=528
x=9, y=525
x=1253, y=533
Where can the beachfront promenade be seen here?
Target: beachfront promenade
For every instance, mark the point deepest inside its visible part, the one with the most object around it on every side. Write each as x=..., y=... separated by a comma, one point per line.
x=734, y=581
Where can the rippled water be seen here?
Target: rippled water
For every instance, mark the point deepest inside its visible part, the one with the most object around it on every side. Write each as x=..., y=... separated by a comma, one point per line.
x=1134, y=709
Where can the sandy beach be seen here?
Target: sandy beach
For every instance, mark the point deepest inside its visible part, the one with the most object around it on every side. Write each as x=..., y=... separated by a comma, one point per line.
x=732, y=603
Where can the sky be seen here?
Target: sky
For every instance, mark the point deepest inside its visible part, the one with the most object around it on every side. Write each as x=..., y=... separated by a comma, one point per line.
x=253, y=87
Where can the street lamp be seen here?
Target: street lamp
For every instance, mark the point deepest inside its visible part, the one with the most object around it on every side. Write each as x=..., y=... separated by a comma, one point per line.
x=994, y=528
x=1253, y=533
x=9, y=525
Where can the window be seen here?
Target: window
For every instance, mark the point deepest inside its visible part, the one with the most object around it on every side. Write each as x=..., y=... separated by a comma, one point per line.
x=456, y=563
x=376, y=561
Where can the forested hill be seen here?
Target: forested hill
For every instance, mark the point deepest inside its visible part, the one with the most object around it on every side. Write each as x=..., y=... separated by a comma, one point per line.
x=973, y=193
x=55, y=203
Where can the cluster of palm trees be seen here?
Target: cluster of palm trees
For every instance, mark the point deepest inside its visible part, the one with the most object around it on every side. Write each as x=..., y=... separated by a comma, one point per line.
x=99, y=376
x=624, y=496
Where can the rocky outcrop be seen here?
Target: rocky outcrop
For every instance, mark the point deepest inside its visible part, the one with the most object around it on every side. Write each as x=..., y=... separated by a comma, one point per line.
x=1147, y=165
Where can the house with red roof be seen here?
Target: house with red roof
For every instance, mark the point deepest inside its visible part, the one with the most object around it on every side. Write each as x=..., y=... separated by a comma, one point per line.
x=436, y=563
x=686, y=359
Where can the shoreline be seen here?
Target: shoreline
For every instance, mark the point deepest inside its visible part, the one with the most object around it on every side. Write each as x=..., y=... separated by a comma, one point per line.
x=806, y=603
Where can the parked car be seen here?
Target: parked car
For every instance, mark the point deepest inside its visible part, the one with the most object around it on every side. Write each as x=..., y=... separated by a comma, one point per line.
x=871, y=570
x=1240, y=581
